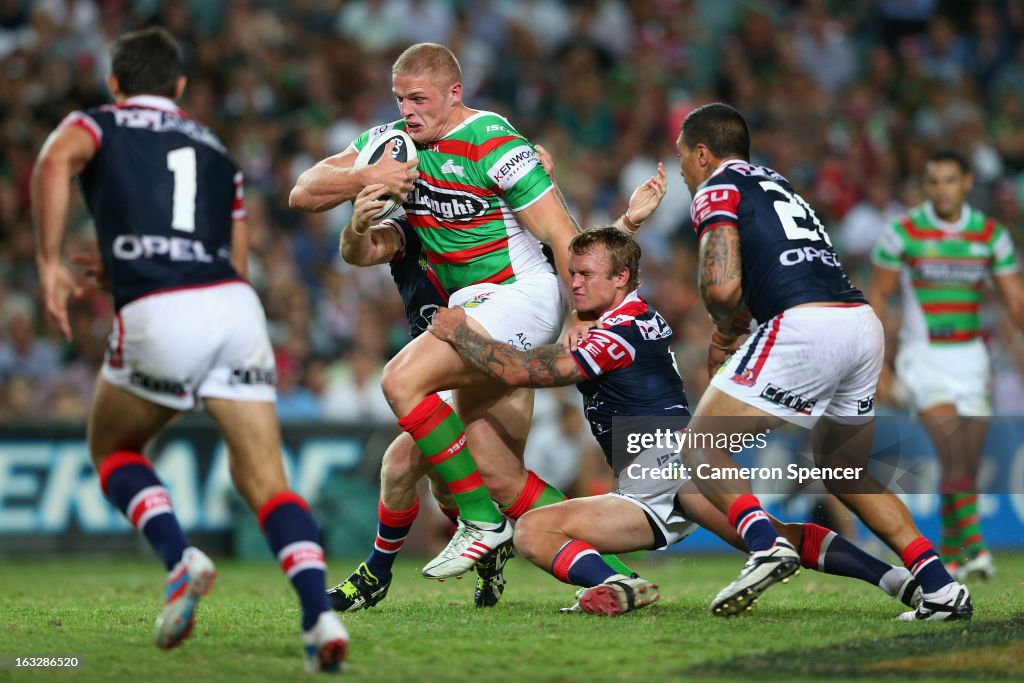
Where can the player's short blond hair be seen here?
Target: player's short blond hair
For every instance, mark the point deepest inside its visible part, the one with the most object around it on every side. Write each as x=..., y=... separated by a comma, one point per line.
x=429, y=58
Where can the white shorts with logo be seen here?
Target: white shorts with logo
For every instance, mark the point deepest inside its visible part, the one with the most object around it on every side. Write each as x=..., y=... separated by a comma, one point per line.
x=526, y=313
x=959, y=374
x=808, y=362
x=656, y=497
x=172, y=348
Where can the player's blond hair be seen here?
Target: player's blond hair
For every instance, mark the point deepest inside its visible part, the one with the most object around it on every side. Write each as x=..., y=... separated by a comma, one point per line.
x=429, y=58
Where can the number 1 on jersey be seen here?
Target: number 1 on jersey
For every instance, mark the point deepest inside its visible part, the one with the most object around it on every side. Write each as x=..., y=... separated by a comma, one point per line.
x=182, y=163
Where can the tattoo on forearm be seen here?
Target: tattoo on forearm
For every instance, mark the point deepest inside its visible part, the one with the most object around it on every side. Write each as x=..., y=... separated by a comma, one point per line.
x=719, y=258
x=534, y=368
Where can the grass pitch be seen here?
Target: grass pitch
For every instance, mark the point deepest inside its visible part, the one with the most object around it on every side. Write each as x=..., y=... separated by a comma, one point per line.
x=247, y=629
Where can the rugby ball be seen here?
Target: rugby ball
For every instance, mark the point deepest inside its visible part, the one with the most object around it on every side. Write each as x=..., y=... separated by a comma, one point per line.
x=404, y=150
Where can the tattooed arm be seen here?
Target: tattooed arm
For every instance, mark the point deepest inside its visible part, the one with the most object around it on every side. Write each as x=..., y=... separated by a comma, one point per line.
x=546, y=366
x=720, y=275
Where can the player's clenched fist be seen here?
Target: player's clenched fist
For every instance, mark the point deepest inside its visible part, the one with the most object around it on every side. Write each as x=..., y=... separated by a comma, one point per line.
x=446, y=323
x=367, y=204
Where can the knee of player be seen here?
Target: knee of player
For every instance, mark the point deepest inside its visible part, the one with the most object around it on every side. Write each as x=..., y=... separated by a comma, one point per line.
x=398, y=383
x=526, y=532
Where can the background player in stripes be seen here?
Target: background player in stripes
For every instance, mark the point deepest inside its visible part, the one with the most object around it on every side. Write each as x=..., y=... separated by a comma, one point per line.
x=624, y=368
x=941, y=254
x=816, y=354
x=167, y=204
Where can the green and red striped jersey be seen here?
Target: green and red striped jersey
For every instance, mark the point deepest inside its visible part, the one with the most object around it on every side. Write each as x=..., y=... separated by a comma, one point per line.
x=472, y=181
x=944, y=268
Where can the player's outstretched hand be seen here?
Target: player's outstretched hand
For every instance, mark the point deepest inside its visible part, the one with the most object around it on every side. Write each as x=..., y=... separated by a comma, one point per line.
x=446, y=323
x=397, y=176
x=647, y=196
x=58, y=286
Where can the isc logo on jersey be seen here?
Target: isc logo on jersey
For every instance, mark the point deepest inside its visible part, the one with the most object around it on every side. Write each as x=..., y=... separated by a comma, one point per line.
x=515, y=164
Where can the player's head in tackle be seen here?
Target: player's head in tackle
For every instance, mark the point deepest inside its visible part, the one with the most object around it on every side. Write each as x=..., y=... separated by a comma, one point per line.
x=947, y=182
x=710, y=135
x=146, y=62
x=427, y=84
x=604, y=267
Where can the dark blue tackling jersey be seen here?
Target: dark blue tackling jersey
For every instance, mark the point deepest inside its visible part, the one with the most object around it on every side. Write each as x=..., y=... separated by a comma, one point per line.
x=787, y=255
x=420, y=290
x=629, y=369
x=163, y=194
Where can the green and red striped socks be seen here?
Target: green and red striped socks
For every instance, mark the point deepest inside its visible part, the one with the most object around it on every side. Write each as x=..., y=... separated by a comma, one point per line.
x=439, y=433
x=961, y=527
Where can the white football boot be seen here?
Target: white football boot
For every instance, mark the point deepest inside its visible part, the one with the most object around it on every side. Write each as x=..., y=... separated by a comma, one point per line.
x=951, y=603
x=469, y=545
x=189, y=580
x=326, y=644
x=764, y=569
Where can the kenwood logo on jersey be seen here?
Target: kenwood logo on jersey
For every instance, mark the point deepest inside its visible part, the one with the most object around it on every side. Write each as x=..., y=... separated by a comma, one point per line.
x=445, y=203
x=515, y=164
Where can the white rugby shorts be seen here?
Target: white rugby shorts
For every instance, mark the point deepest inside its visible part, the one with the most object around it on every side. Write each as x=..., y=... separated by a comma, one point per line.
x=959, y=374
x=525, y=314
x=656, y=496
x=809, y=362
x=174, y=347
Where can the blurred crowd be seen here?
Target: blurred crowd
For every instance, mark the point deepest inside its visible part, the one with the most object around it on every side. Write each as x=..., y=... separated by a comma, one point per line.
x=844, y=98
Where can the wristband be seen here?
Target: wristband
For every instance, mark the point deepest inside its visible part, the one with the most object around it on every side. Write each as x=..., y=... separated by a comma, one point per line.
x=627, y=221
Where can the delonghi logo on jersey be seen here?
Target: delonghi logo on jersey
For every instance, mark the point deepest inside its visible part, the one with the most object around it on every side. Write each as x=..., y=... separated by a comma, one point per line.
x=788, y=399
x=159, y=385
x=132, y=247
x=791, y=257
x=449, y=166
x=446, y=203
x=947, y=271
x=515, y=164
x=253, y=375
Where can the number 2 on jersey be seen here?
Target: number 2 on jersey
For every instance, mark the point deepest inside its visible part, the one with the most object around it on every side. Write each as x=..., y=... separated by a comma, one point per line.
x=793, y=209
x=182, y=163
